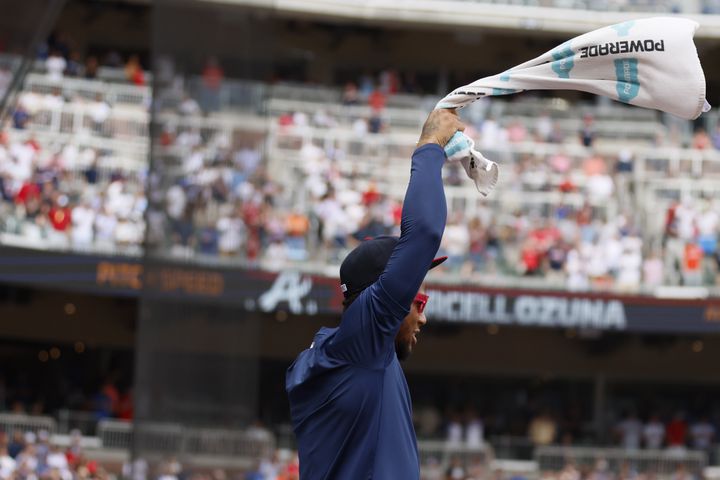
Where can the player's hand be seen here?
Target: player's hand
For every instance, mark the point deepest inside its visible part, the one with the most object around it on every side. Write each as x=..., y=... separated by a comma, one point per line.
x=440, y=125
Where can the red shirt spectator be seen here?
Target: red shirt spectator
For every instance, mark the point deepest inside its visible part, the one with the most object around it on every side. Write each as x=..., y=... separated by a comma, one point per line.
x=32, y=143
x=567, y=186
x=212, y=74
x=125, y=407
x=676, y=432
x=377, y=100
x=60, y=218
x=531, y=259
x=28, y=191
x=693, y=257
x=285, y=120
x=371, y=195
x=134, y=72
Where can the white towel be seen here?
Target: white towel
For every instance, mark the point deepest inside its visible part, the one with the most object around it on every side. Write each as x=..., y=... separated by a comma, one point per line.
x=650, y=63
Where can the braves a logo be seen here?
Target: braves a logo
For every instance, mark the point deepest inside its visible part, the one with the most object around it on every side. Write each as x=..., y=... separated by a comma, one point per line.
x=290, y=287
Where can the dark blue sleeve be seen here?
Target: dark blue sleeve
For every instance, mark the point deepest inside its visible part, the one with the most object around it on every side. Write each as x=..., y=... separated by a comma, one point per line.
x=423, y=223
x=369, y=325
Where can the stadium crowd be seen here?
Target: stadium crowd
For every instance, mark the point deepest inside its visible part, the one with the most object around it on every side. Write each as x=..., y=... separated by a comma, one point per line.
x=222, y=201
x=32, y=456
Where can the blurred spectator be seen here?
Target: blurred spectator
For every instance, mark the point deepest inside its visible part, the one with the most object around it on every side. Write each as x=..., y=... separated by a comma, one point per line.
x=454, y=430
x=701, y=140
x=456, y=470
x=7, y=464
x=653, y=270
x=91, y=67
x=133, y=71
x=55, y=65
x=630, y=431
x=654, y=432
x=474, y=430
x=377, y=100
x=542, y=429
x=212, y=77
x=351, y=96
x=676, y=432
x=702, y=434
x=587, y=133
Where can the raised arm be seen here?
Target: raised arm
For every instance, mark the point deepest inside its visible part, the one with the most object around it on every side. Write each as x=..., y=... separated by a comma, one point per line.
x=424, y=211
x=370, y=323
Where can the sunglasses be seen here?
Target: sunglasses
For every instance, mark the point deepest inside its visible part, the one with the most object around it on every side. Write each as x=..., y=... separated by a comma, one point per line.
x=420, y=301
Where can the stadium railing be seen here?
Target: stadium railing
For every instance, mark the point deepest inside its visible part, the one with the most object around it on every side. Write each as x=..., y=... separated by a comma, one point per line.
x=660, y=462
x=114, y=93
x=12, y=422
x=443, y=452
x=345, y=114
x=177, y=439
x=69, y=420
x=129, y=124
x=116, y=154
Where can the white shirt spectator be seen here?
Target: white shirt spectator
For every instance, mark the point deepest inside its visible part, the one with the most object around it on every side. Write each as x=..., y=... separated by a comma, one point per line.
x=300, y=119
x=630, y=431
x=597, y=263
x=57, y=459
x=52, y=102
x=575, y=268
x=454, y=432
x=55, y=65
x=83, y=218
x=612, y=251
x=189, y=138
x=105, y=224
x=653, y=434
x=685, y=214
x=708, y=222
x=333, y=217
x=702, y=434
x=194, y=162
x=176, y=201
x=600, y=187
x=99, y=112
x=69, y=156
x=7, y=465
x=360, y=127
x=630, y=265
x=492, y=135
x=32, y=102
x=231, y=232
x=137, y=470
x=23, y=166
x=653, y=271
x=456, y=240
x=543, y=127
x=474, y=433
x=128, y=233
x=189, y=107
x=27, y=459
x=247, y=159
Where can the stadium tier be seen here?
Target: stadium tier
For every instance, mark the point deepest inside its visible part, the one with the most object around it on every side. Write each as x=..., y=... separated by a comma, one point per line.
x=577, y=204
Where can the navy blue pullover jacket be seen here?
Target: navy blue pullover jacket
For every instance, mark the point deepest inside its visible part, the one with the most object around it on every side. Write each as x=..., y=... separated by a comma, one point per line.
x=349, y=401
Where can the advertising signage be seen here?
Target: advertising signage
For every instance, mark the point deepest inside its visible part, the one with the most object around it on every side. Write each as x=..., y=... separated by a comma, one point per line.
x=305, y=294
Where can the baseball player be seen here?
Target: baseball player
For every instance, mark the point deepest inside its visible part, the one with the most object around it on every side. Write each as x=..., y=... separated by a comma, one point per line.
x=349, y=401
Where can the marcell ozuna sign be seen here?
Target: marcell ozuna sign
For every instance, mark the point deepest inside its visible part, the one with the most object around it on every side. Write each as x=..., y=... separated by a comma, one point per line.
x=304, y=294
x=526, y=310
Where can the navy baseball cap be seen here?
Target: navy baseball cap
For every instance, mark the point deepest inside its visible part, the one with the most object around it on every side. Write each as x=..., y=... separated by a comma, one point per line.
x=364, y=265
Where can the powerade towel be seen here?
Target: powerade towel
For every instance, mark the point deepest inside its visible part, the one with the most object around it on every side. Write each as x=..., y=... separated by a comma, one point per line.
x=651, y=63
